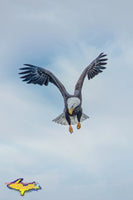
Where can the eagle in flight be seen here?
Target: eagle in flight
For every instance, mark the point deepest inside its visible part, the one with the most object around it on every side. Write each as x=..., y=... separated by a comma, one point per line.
x=73, y=111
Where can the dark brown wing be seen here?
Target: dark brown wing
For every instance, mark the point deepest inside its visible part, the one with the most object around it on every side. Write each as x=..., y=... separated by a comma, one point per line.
x=96, y=67
x=41, y=76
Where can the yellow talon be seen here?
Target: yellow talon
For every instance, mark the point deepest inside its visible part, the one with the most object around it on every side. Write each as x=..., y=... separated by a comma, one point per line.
x=70, y=129
x=78, y=125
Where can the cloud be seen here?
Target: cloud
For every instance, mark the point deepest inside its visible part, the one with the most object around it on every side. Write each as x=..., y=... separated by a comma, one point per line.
x=65, y=37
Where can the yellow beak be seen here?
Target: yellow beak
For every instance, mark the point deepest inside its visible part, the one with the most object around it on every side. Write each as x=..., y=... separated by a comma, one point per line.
x=70, y=111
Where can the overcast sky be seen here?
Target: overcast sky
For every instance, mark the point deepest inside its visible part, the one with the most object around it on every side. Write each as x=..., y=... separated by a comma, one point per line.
x=96, y=161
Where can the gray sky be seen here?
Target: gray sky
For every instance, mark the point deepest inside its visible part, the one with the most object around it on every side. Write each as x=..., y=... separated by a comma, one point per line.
x=96, y=161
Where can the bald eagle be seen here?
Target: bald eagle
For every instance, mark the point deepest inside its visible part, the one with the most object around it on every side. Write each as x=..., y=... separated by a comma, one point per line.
x=73, y=111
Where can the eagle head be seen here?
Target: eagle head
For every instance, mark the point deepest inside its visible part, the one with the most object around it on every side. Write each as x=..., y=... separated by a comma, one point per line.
x=72, y=103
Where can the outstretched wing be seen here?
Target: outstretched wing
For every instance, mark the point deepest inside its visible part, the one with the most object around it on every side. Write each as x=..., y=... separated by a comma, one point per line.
x=96, y=67
x=41, y=76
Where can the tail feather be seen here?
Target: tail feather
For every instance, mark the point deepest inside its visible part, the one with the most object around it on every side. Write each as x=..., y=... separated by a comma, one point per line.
x=62, y=120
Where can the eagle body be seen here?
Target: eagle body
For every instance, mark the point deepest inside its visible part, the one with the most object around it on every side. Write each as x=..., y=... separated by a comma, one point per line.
x=72, y=113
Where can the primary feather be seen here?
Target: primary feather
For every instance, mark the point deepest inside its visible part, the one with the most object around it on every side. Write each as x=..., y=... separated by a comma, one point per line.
x=96, y=67
x=38, y=75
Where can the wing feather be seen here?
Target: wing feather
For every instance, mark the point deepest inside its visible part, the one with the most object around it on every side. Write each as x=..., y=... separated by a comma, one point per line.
x=96, y=67
x=37, y=75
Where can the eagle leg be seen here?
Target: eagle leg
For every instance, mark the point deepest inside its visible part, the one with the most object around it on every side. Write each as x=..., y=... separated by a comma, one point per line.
x=70, y=129
x=69, y=122
x=79, y=117
x=78, y=125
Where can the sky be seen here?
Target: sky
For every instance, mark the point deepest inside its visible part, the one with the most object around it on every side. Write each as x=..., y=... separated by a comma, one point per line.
x=96, y=161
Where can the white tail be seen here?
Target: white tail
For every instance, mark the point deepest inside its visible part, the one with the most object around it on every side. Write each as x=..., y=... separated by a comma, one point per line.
x=62, y=120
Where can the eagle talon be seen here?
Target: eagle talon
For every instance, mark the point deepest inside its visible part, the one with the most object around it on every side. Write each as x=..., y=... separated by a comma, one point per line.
x=78, y=125
x=70, y=129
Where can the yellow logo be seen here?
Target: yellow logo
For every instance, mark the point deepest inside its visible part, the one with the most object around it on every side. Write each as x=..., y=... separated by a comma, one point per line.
x=23, y=187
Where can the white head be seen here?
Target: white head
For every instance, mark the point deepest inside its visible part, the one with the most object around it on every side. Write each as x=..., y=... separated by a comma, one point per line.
x=72, y=103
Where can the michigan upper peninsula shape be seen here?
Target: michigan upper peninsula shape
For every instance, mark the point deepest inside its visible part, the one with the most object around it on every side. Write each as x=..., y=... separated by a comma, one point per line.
x=23, y=187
